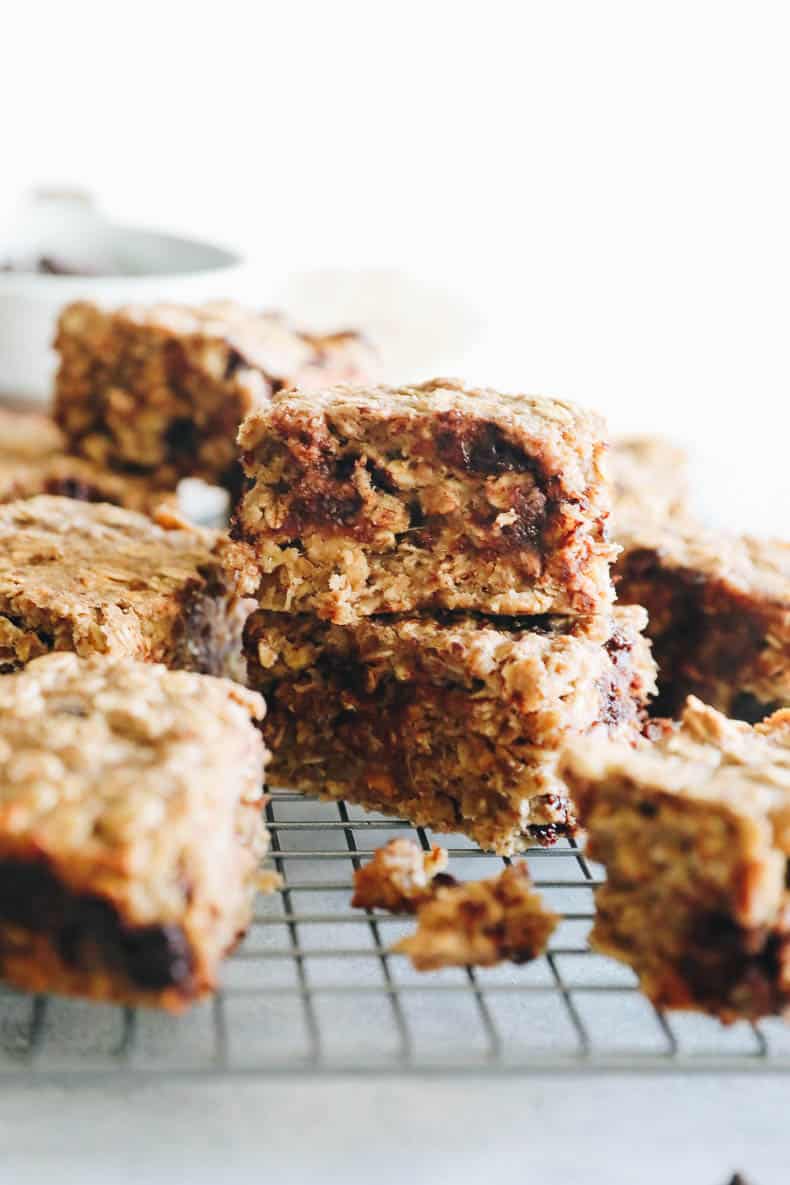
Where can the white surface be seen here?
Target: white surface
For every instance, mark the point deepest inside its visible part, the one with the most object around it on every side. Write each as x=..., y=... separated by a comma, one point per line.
x=607, y=185
x=560, y=1131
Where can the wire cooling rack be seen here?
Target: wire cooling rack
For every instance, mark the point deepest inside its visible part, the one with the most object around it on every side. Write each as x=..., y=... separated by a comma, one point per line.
x=313, y=988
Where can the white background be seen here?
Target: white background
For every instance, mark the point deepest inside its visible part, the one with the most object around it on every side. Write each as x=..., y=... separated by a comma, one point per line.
x=606, y=188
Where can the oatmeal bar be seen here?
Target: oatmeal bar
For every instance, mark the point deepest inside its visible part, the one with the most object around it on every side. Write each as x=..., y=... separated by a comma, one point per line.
x=453, y=722
x=719, y=613
x=650, y=478
x=400, y=877
x=162, y=390
x=481, y=923
x=33, y=461
x=130, y=827
x=96, y=578
x=74, y=477
x=364, y=500
x=694, y=831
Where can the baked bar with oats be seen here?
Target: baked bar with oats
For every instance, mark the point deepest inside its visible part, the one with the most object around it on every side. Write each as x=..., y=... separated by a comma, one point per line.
x=451, y=721
x=366, y=500
x=650, y=478
x=400, y=877
x=130, y=828
x=162, y=390
x=33, y=461
x=481, y=923
x=719, y=613
x=694, y=831
x=94, y=578
x=74, y=477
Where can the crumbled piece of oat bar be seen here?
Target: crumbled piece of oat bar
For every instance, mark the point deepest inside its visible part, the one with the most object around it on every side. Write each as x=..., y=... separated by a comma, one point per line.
x=719, y=613
x=451, y=721
x=694, y=832
x=481, y=923
x=162, y=390
x=650, y=478
x=94, y=578
x=400, y=877
x=130, y=828
x=365, y=500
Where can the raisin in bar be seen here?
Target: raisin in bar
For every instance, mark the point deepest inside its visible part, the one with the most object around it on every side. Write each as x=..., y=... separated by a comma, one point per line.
x=400, y=877
x=130, y=827
x=162, y=390
x=694, y=832
x=365, y=500
x=650, y=478
x=719, y=613
x=452, y=722
x=481, y=923
x=94, y=578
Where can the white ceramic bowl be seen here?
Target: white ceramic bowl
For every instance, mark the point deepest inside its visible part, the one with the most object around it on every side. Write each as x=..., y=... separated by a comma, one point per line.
x=139, y=266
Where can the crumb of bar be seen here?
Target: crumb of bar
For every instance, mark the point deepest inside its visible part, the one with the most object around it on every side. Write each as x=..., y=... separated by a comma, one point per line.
x=267, y=881
x=399, y=878
x=481, y=923
x=130, y=828
x=694, y=831
x=162, y=390
x=95, y=578
x=650, y=478
x=451, y=721
x=719, y=613
x=366, y=500
x=28, y=436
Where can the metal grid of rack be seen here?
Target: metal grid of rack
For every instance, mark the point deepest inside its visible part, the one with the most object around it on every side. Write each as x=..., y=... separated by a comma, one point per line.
x=313, y=988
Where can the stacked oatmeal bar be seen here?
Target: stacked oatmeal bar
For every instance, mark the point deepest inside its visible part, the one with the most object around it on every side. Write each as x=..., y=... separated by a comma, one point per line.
x=435, y=604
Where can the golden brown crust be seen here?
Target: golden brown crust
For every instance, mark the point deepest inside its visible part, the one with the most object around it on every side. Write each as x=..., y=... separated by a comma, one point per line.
x=719, y=612
x=481, y=923
x=452, y=722
x=95, y=578
x=163, y=389
x=130, y=827
x=365, y=500
x=694, y=831
x=400, y=877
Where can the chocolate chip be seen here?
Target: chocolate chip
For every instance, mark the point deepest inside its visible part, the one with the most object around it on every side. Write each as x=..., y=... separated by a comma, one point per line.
x=235, y=362
x=181, y=437
x=152, y=957
x=648, y=810
x=473, y=447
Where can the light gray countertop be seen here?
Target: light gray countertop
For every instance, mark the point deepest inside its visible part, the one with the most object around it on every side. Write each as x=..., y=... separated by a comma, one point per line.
x=560, y=1131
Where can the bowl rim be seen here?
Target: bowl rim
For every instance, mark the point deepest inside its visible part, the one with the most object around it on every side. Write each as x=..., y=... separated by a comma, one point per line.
x=225, y=260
